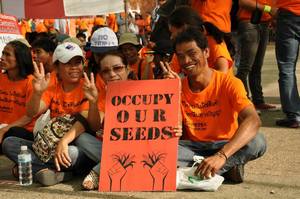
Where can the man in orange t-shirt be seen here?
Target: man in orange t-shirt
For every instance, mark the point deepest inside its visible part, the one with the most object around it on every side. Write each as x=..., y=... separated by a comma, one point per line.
x=253, y=44
x=211, y=103
x=287, y=50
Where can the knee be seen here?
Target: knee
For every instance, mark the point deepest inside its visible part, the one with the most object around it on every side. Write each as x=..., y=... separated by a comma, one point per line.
x=74, y=153
x=8, y=143
x=82, y=140
x=257, y=146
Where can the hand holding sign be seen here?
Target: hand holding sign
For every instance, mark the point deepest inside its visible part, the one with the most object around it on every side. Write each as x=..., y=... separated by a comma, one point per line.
x=90, y=89
x=40, y=81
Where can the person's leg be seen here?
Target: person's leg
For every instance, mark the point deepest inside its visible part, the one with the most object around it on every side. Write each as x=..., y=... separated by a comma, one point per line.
x=93, y=149
x=255, y=74
x=253, y=150
x=19, y=132
x=287, y=49
x=248, y=35
x=11, y=148
x=187, y=149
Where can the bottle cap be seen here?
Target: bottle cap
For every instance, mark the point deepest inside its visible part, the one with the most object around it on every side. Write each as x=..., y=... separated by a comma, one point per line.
x=24, y=148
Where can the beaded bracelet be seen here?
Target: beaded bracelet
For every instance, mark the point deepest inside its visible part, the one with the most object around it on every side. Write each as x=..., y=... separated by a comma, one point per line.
x=221, y=153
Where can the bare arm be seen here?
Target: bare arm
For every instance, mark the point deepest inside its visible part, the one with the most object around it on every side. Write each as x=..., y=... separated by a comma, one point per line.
x=94, y=116
x=247, y=130
x=40, y=83
x=221, y=64
x=251, y=5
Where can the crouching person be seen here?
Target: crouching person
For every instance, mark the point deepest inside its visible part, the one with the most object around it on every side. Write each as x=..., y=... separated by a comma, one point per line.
x=219, y=121
x=65, y=97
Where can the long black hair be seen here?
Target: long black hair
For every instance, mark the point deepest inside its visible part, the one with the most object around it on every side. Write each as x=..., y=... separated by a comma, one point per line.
x=23, y=58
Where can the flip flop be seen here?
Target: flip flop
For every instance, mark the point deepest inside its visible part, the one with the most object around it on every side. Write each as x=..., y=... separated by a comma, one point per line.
x=91, y=181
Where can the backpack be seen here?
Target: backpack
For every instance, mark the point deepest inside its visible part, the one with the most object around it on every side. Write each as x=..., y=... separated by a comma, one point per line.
x=46, y=139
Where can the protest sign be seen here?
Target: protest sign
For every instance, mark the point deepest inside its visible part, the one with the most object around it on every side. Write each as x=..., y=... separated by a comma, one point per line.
x=9, y=30
x=139, y=147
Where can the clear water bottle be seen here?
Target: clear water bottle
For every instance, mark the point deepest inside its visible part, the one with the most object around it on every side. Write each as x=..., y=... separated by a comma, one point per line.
x=25, y=170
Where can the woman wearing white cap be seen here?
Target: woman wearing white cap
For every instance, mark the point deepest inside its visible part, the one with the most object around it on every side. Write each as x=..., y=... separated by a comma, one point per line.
x=66, y=97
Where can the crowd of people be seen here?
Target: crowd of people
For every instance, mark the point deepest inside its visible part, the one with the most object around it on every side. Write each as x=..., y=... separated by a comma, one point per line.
x=189, y=40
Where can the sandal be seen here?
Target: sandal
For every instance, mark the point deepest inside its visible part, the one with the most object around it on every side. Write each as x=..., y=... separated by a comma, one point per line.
x=91, y=181
x=15, y=171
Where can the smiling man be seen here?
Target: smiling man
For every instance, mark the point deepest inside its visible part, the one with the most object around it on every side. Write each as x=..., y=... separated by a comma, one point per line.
x=219, y=121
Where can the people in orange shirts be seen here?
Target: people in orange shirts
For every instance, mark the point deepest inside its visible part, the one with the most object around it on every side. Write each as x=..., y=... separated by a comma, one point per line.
x=129, y=46
x=15, y=91
x=220, y=58
x=219, y=121
x=66, y=97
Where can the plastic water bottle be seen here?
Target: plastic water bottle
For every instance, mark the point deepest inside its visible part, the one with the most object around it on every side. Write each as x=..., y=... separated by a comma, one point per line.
x=25, y=170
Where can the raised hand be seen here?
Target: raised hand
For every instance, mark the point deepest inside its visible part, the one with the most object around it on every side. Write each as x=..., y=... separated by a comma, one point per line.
x=40, y=81
x=90, y=89
x=167, y=71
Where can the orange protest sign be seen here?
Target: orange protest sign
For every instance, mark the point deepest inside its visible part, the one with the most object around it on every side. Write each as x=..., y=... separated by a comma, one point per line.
x=139, y=148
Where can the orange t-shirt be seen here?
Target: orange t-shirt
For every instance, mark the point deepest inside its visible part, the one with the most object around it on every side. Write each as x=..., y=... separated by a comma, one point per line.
x=13, y=98
x=146, y=71
x=290, y=5
x=100, y=21
x=25, y=27
x=216, y=51
x=212, y=114
x=245, y=15
x=49, y=23
x=40, y=27
x=60, y=102
x=112, y=22
x=101, y=92
x=216, y=12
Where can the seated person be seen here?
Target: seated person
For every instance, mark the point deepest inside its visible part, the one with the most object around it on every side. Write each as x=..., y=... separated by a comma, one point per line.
x=15, y=91
x=219, y=121
x=65, y=97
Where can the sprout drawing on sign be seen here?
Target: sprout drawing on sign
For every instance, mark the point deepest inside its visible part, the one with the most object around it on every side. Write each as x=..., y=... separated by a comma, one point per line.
x=158, y=170
x=117, y=172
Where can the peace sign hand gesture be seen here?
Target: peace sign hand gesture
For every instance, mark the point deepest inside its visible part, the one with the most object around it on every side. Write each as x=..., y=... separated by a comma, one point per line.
x=167, y=71
x=90, y=89
x=40, y=81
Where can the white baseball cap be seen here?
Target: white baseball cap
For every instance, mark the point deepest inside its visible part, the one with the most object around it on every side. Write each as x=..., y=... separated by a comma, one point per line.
x=104, y=39
x=66, y=51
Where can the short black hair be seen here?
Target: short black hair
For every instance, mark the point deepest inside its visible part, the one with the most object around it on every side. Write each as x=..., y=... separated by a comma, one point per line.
x=185, y=15
x=44, y=43
x=23, y=58
x=192, y=34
